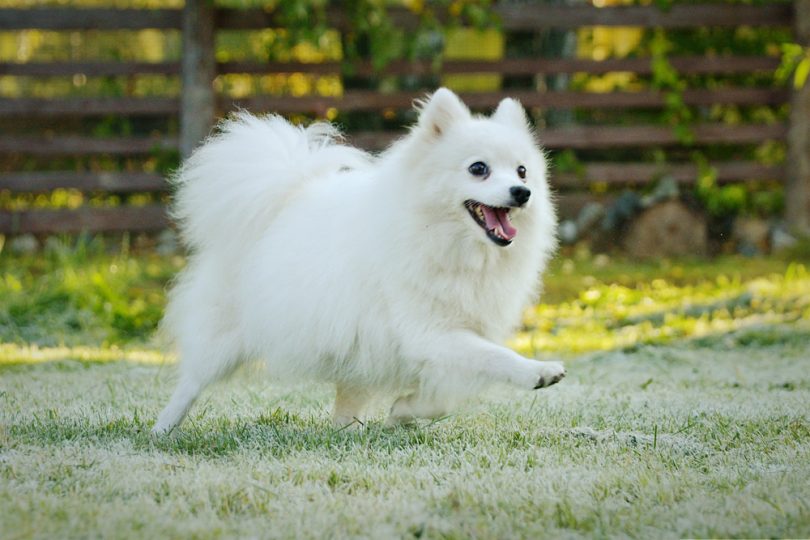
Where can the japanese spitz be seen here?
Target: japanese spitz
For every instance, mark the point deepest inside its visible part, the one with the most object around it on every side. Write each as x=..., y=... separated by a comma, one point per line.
x=396, y=276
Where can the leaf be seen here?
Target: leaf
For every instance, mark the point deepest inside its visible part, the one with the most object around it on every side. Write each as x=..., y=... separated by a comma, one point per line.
x=801, y=73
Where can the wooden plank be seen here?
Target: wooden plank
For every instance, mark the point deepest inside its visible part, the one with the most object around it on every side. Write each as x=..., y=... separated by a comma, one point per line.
x=594, y=137
x=90, y=69
x=587, y=137
x=522, y=17
x=620, y=174
x=154, y=217
x=152, y=106
x=89, y=19
x=514, y=17
x=82, y=145
x=613, y=100
x=685, y=65
x=611, y=173
x=699, y=65
x=112, y=182
x=85, y=219
x=578, y=137
x=370, y=101
x=535, y=16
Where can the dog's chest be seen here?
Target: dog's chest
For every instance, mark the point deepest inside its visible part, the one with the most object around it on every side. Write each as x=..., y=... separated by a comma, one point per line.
x=486, y=301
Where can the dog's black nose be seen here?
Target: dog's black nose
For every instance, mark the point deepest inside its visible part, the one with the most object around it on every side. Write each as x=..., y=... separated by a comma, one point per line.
x=520, y=194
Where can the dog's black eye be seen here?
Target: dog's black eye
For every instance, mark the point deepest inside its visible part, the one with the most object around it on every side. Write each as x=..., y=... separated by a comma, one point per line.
x=479, y=168
x=521, y=171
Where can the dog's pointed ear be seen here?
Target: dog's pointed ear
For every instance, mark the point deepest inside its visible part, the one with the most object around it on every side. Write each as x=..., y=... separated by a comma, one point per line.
x=439, y=111
x=510, y=112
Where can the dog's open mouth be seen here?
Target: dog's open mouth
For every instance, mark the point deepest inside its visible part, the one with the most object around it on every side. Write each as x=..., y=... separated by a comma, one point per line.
x=494, y=221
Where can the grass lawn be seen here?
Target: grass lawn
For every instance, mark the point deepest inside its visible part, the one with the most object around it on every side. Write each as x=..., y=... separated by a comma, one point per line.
x=685, y=413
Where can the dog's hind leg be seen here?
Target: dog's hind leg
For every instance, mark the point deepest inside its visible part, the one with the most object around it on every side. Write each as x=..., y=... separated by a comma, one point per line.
x=181, y=401
x=408, y=408
x=202, y=364
x=349, y=404
x=456, y=366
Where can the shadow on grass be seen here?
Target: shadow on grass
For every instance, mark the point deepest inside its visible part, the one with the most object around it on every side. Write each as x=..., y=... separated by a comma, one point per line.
x=791, y=334
x=273, y=434
x=281, y=433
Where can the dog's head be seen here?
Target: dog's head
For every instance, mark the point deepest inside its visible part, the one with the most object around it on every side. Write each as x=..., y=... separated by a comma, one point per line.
x=486, y=173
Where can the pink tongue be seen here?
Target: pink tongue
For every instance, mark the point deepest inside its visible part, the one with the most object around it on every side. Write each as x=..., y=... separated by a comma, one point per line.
x=498, y=219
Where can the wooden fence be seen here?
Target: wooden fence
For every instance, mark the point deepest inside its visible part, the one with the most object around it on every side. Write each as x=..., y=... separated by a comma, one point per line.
x=197, y=106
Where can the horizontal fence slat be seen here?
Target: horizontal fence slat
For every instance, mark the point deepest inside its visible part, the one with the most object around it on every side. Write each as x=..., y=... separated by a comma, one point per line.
x=513, y=17
x=686, y=65
x=113, y=182
x=595, y=137
x=691, y=65
x=83, y=145
x=570, y=100
x=531, y=17
x=369, y=101
x=521, y=17
x=585, y=137
x=89, y=106
x=90, y=69
x=87, y=219
x=611, y=173
x=698, y=65
x=576, y=137
x=89, y=19
x=154, y=218
x=685, y=173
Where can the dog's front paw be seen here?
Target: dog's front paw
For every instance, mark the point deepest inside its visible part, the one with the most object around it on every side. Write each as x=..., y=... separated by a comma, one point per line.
x=550, y=373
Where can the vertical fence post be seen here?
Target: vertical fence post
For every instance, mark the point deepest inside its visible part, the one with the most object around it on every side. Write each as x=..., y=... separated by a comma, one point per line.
x=797, y=190
x=198, y=72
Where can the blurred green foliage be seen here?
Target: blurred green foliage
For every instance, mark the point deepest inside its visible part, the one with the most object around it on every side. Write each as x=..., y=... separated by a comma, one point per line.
x=85, y=291
x=77, y=292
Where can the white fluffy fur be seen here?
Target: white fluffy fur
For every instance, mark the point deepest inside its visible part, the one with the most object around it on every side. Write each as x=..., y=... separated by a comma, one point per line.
x=333, y=265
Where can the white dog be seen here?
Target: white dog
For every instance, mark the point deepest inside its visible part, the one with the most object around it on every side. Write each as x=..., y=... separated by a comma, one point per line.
x=396, y=276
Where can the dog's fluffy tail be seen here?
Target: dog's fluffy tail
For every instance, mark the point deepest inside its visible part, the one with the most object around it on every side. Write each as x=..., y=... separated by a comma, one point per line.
x=232, y=187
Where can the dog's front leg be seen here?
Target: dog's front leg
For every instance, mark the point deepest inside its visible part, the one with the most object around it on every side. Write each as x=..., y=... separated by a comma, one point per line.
x=457, y=365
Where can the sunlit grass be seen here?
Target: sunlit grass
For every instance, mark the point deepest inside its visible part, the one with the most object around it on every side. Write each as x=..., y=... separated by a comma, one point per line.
x=608, y=315
x=13, y=354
